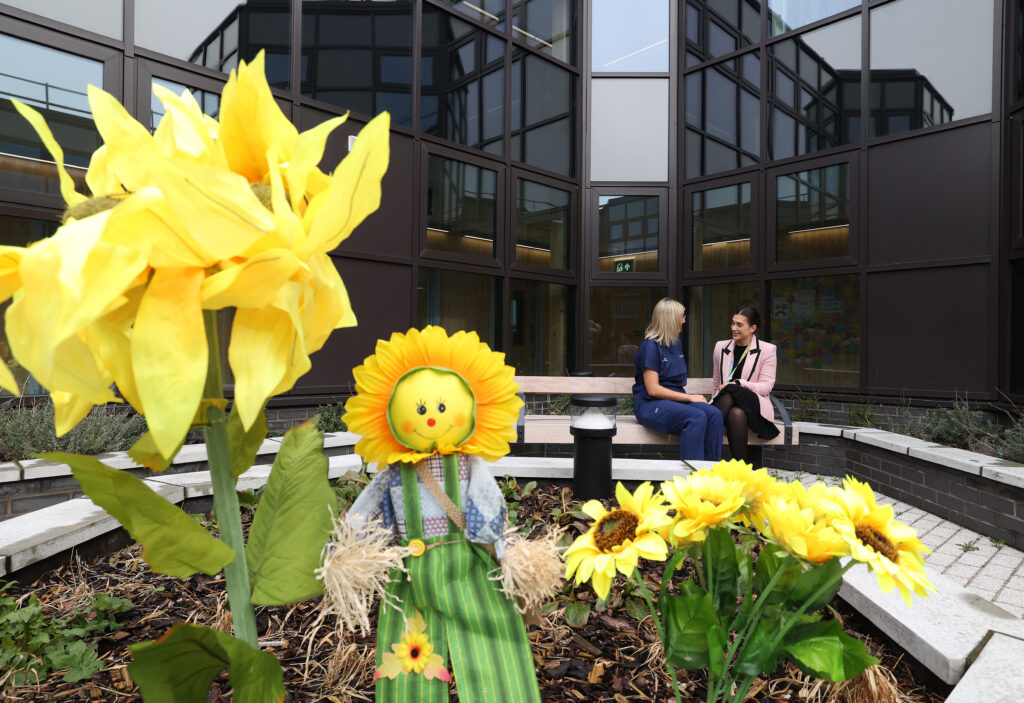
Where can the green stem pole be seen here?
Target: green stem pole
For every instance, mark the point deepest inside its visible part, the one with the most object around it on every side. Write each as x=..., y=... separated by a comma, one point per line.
x=225, y=494
x=657, y=624
x=793, y=619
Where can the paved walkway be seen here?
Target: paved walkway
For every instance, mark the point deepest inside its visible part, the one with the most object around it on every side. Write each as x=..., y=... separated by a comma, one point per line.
x=992, y=570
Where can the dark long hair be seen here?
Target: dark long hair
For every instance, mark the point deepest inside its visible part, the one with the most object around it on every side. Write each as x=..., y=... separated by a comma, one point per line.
x=752, y=315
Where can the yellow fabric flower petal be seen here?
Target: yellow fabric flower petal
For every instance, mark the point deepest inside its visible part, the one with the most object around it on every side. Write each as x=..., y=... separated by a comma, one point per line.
x=67, y=185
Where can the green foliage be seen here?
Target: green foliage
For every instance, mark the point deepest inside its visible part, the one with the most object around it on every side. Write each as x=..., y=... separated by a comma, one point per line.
x=199, y=655
x=962, y=426
x=513, y=495
x=969, y=546
x=863, y=416
x=27, y=428
x=33, y=645
x=245, y=444
x=292, y=522
x=559, y=405
x=330, y=418
x=806, y=406
x=577, y=613
x=348, y=487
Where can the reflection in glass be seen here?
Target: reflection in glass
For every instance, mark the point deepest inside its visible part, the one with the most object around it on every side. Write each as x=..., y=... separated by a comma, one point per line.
x=726, y=123
x=55, y=83
x=218, y=33
x=542, y=225
x=463, y=92
x=100, y=16
x=546, y=25
x=914, y=82
x=543, y=109
x=815, y=96
x=457, y=301
x=1018, y=52
x=787, y=15
x=812, y=212
x=618, y=317
x=1017, y=329
x=815, y=322
x=20, y=232
x=461, y=211
x=208, y=101
x=540, y=322
x=627, y=233
x=630, y=36
x=709, y=310
x=489, y=12
x=721, y=226
x=358, y=56
x=717, y=27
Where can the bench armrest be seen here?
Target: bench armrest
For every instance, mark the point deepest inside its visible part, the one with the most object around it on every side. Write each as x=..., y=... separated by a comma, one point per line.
x=521, y=421
x=786, y=421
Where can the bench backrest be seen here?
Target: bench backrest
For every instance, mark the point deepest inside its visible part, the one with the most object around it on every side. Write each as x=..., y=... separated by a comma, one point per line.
x=602, y=385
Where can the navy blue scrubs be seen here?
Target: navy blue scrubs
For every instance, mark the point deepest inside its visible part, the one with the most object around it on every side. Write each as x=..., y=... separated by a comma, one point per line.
x=699, y=425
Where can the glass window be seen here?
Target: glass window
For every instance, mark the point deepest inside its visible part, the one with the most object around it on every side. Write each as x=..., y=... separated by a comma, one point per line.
x=910, y=42
x=1017, y=329
x=630, y=36
x=709, y=311
x=489, y=12
x=721, y=224
x=463, y=91
x=217, y=33
x=543, y=111
x=627, y=233
x=812, y=213
x=20, y=232
x=816, y=90
x=55, y=83
x=546, y=25
x=358, y=56
x=729, y=116
x=540, y=321
x=208, y=101
x=723, y=27
x=1018, y=51
x=618, y=318
x=461, y=207
x=787, y=15
x=815, y=322
x=639, y=153
x=542, y=225
x=457, y=300
x=100, y=16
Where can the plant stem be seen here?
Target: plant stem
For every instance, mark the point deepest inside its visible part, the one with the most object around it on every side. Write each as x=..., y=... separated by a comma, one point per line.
x=661, y=633
x=741, y=690
x=225, y=495
x=788, y=624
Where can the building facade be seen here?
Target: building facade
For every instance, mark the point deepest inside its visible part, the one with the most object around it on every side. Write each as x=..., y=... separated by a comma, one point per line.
x=853, y=168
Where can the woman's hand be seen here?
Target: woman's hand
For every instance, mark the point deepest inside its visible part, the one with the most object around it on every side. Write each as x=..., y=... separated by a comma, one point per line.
x=694, y=398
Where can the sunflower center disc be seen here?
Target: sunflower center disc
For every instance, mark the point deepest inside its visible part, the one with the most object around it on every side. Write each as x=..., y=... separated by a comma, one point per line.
x=877, y=541
x=614, y=529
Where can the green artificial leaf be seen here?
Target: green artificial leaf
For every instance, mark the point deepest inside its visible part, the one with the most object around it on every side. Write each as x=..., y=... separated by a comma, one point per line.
x=145, y=452
x=717, y=637
x=771, y=560
x=245, y=445
x=180, y=666
x=172, y=542
x=824, y=650
x=828, y=575
x=636, y=608
x=757, y=656
x=745, y=583
x=721, y=570
x=687, y=619
x=577, y=614
x=292, y=522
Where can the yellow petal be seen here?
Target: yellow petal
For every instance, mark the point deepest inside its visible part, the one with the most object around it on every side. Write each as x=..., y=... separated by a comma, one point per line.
x=68, y=411
x=309, y=150
x=10, y=279
x=252, y=284
x=67, y=185
x=131, y=153
x=7, y=380
x=169, y=354
x=145, y=221
x=187, y=132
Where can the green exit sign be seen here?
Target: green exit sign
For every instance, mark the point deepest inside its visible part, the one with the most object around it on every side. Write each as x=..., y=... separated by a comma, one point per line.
x=624, y=266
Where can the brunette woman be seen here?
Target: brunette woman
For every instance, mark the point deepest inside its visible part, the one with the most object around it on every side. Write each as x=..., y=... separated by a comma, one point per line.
x=744, y=375
x=660, y=400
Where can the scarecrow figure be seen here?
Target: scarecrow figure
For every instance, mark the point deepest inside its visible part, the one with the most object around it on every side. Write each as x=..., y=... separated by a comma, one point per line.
x=434, y=409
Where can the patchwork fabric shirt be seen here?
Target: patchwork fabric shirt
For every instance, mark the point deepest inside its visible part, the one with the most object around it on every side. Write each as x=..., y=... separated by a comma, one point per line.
x=482, y=502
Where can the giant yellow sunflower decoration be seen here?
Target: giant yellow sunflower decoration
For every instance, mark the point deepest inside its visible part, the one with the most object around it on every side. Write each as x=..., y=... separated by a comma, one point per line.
x=424, y=393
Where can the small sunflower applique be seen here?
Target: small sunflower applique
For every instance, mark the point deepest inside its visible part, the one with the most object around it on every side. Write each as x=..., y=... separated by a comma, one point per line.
x=413, y=655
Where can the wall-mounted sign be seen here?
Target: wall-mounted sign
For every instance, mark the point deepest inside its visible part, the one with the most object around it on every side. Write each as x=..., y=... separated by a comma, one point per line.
x=624, y=265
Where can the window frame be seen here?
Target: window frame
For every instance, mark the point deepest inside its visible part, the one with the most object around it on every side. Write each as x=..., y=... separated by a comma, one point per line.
x=568, y=274
x=591, y=243
x=757, y=246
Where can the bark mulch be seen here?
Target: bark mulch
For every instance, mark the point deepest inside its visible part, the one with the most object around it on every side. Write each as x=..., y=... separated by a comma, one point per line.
x=613, y=657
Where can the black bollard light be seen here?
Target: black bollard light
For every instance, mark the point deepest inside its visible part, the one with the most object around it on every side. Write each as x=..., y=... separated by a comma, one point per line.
x=592, y=424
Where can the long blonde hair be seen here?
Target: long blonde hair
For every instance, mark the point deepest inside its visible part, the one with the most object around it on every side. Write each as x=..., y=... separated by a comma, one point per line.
x=664, y=327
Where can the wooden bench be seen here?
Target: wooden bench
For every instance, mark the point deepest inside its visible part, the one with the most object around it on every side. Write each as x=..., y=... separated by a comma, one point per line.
x=554, y=429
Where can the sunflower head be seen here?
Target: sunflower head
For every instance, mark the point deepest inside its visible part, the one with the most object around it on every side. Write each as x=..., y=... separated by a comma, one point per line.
x=424, y=393
x=792, y=520
x=756, y=485
x=701, y=500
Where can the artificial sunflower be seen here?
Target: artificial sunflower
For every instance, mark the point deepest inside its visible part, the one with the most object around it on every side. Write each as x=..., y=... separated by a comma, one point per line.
x=413, y=655
x=198, y=216
x=701, y=500
x=618, y=538
x=424, y=393
x=889, y=547
x=791, y=519
x=755, y=485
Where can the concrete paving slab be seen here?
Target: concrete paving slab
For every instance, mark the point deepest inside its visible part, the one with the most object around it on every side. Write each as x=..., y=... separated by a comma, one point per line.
x=340, y=439
x=995, y=676
x=815, y=428
x=901, y=444
x=1005, y=472
x=9, y=472
x=941, y=631
x=959, y=459
x=26, y=539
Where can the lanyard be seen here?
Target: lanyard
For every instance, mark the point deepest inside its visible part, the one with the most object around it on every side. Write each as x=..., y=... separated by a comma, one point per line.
x=733, y=364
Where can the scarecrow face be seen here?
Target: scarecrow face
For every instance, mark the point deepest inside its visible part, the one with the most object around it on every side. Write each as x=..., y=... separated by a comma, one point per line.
x=430, y=407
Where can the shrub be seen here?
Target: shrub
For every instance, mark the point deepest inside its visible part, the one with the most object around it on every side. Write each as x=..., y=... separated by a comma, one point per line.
x=330, y=418
x=963, y=426
x=27, y=428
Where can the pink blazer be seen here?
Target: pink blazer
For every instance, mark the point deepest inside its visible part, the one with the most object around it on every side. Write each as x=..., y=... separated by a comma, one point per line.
x=758, y=371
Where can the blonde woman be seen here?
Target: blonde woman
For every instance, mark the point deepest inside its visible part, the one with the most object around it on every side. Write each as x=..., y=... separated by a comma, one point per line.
x=660, y=400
